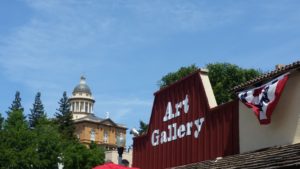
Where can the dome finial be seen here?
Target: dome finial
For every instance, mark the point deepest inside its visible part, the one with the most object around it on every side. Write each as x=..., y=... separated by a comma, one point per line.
x=82, y=79
x=82, y=87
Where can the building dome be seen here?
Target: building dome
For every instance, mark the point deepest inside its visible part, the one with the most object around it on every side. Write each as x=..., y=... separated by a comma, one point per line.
x=82, y=87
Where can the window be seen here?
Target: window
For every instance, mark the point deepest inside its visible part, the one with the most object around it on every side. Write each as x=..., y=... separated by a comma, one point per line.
x=77, y=106
x=86, y=107
x=118, y=133
x=105, y=138
x=92, y=135
x=81, y=106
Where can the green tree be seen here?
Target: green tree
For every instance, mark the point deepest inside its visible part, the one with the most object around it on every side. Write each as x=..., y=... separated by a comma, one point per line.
x=16, y=104
x=1, y=139
x=42, y=146
x=48, y=144
x=143, y=127
x=37, y=112
x=78, y=156
x=64, y=118
x=22, y=147
x=224, y=76
x=97, y=155
x=174, y=76
x=18, y=149
x=16, y=120
x=1, y=121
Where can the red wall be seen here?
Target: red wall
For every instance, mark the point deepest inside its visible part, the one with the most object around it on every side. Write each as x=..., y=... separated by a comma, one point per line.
x=218, y=134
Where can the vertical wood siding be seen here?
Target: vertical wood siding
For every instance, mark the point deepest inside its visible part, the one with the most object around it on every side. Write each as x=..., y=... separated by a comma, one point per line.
x=218, y=136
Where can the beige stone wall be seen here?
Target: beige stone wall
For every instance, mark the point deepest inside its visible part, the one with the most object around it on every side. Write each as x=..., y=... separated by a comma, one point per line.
x=113, y=156
x=84, y=130
x=285, y=123
x=78, y=115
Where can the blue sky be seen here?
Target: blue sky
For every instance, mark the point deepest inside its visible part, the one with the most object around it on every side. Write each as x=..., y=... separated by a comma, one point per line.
x=124, y=47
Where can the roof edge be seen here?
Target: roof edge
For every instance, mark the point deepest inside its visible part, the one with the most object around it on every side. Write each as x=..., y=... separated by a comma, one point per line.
x=267, y=76
x=201, y=70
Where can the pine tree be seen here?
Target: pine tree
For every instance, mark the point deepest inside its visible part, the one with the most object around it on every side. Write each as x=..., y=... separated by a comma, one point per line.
x=48, y=144
x=37, y=112
x=16, y=104
x=64, y=118
x=18, y=145
x=22, y=147
x=16, y=119
x=1, y=121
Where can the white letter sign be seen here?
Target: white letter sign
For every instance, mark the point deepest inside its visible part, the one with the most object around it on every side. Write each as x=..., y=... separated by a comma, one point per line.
x=172, y=132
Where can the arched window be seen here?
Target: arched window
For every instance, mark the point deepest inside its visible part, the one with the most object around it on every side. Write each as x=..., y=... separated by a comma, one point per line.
x=92, y=135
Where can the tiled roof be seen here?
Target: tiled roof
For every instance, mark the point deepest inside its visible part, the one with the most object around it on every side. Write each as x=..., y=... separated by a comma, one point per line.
x=89, y=117
x=267, y=76
x=276, y=157
x=95, y=119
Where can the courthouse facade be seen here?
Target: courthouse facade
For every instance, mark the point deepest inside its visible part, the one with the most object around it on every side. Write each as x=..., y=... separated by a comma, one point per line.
x=88, y=127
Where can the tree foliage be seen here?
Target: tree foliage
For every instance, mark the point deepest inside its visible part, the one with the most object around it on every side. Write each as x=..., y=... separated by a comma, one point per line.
x=223, y=77
x=37, y=112
x=16, y=104
x=97, y=155
x=16, y=120
x=48, y=144
x=78, y=156
x=64, y=118
x=42, y=146
x=1, y=121
x=143, y=127
x=17, y=145
x=174, y=76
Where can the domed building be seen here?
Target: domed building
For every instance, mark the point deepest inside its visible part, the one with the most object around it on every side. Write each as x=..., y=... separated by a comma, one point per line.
x=88, y=127
x=81, y=101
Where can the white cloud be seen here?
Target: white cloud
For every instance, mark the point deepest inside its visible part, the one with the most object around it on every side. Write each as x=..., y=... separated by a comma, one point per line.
x=72, y=37
x=65, y=38
x=58, y=23
x=61, y=34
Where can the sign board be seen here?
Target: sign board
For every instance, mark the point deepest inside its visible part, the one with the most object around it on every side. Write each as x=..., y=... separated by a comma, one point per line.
x=183, y=129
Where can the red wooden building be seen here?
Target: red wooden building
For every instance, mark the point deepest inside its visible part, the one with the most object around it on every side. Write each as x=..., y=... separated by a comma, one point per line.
x=186, y=126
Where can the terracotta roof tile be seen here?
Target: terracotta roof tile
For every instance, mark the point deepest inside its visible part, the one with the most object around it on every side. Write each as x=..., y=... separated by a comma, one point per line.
x=267, y=76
